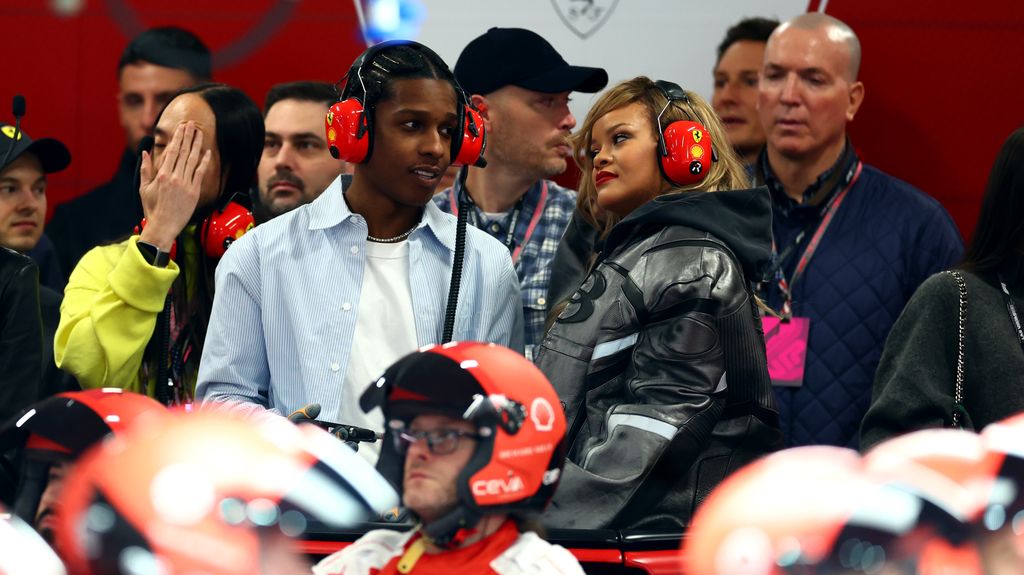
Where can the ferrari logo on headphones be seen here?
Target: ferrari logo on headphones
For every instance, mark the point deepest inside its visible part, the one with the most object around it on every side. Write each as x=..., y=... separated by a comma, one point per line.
x=9, y=132
x=697, y=136
x=330, y=117
x=242, y=232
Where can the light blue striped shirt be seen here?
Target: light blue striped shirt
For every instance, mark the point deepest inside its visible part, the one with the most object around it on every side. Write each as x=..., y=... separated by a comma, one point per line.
x=284, y=314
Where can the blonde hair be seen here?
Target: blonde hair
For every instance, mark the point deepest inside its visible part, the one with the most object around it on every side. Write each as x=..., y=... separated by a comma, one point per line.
x=725, y=174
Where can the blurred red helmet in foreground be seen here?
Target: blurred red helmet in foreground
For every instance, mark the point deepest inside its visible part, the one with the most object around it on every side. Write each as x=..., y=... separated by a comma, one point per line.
x=207, y=493
x=818, y=510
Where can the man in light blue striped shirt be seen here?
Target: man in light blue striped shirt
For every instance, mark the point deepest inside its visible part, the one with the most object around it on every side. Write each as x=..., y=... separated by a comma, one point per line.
x=312, y=306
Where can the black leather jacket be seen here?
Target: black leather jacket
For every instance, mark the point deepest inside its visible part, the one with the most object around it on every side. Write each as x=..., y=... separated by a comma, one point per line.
x=659, y=359
x=21, y=334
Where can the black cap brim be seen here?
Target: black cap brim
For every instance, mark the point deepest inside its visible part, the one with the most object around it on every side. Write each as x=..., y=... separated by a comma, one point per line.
x=52, y=154
x=567, y=79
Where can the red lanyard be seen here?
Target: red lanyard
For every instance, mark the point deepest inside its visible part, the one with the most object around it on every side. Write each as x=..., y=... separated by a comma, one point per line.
x=812, y=246
x=534, y=219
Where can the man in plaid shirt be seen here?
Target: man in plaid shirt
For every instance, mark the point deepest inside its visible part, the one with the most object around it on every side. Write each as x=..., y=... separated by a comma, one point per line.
x=521, y=87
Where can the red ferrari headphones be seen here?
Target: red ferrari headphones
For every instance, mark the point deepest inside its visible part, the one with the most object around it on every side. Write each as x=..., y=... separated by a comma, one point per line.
x=220, y=229
x=684, y=146
x=225, y=225
x=349, y=122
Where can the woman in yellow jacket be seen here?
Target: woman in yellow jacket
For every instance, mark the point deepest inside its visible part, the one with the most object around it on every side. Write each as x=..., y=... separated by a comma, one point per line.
x=135, y=312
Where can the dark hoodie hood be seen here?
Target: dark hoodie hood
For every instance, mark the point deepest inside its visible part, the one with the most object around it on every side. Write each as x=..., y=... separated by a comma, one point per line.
x=742, y=219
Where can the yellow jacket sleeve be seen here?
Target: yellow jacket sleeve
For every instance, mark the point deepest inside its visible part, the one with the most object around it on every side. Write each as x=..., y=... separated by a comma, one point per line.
x=108, y=315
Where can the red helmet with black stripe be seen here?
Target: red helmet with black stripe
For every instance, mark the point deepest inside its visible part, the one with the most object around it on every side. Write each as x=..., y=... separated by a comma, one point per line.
x=65, y=425
x=61, y=427
x=518, y=460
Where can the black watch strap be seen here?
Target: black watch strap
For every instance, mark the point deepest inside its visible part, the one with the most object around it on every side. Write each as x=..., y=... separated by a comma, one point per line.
x=153, y=255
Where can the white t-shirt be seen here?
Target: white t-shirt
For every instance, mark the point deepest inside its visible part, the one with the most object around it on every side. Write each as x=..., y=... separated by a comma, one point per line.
x=385, y=332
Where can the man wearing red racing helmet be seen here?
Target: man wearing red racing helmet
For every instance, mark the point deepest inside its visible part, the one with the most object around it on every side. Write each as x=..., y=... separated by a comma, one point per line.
x=51, y=435
x=475, y=438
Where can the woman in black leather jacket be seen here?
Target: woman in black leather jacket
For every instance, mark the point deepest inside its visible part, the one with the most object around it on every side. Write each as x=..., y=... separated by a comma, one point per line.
x=659, y=356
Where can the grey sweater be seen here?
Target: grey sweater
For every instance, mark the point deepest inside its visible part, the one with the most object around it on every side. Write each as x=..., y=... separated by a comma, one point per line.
x=916, y=377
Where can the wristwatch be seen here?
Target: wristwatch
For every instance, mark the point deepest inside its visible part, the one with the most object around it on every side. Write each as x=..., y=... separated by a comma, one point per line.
x=153, y=255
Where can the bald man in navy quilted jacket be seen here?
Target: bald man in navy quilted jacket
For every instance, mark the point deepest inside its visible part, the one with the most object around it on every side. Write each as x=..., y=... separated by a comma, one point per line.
x=852, y=243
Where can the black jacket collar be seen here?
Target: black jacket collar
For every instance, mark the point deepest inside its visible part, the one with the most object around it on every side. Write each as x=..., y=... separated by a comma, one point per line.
x=742, y=219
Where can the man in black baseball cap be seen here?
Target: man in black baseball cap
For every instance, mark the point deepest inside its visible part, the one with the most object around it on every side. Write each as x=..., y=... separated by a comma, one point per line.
x=521, y=86
x=517, y=57
x=25, y=163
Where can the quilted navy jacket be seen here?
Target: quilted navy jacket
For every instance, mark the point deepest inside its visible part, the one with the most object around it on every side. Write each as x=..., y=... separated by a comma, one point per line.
x=886, y=238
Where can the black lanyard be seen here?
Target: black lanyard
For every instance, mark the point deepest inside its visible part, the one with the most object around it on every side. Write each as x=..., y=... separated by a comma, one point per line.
x=510, y=235
x=1012, y=309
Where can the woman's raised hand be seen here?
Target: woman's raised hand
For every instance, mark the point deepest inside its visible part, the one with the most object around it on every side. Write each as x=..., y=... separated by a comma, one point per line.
x=170, y=191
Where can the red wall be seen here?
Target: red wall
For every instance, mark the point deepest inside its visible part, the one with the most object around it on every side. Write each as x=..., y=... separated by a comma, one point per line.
x=943, y=91
x=943, y=78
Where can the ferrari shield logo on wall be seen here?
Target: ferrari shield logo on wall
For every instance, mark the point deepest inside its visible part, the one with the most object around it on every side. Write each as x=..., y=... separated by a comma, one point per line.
x=584, y=17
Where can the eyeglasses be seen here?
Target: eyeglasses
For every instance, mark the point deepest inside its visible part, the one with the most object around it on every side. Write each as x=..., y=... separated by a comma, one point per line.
x=439, y=441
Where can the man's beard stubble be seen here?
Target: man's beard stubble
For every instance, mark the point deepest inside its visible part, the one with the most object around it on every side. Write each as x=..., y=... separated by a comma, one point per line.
x=275, y=208
x=523, y=153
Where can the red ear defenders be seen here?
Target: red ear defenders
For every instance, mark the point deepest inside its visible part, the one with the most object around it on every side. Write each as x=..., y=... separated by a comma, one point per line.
x=349, y=123
x=684, y=146
x=220, y=229
x=227, y=223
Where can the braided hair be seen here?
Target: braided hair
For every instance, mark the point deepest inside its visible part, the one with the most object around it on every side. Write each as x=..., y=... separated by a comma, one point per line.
x=372, y=82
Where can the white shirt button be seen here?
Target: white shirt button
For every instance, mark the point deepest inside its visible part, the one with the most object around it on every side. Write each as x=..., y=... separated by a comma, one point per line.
x=495, y=228
x=354, y=250
x=335, y=367
x=346, y=306
x=542, y=301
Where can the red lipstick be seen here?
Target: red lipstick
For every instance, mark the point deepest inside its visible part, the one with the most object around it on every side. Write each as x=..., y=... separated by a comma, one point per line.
x=603, y=177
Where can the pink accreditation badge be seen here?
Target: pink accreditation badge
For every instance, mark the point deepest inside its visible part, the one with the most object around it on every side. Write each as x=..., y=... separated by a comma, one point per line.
x=786, y=343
